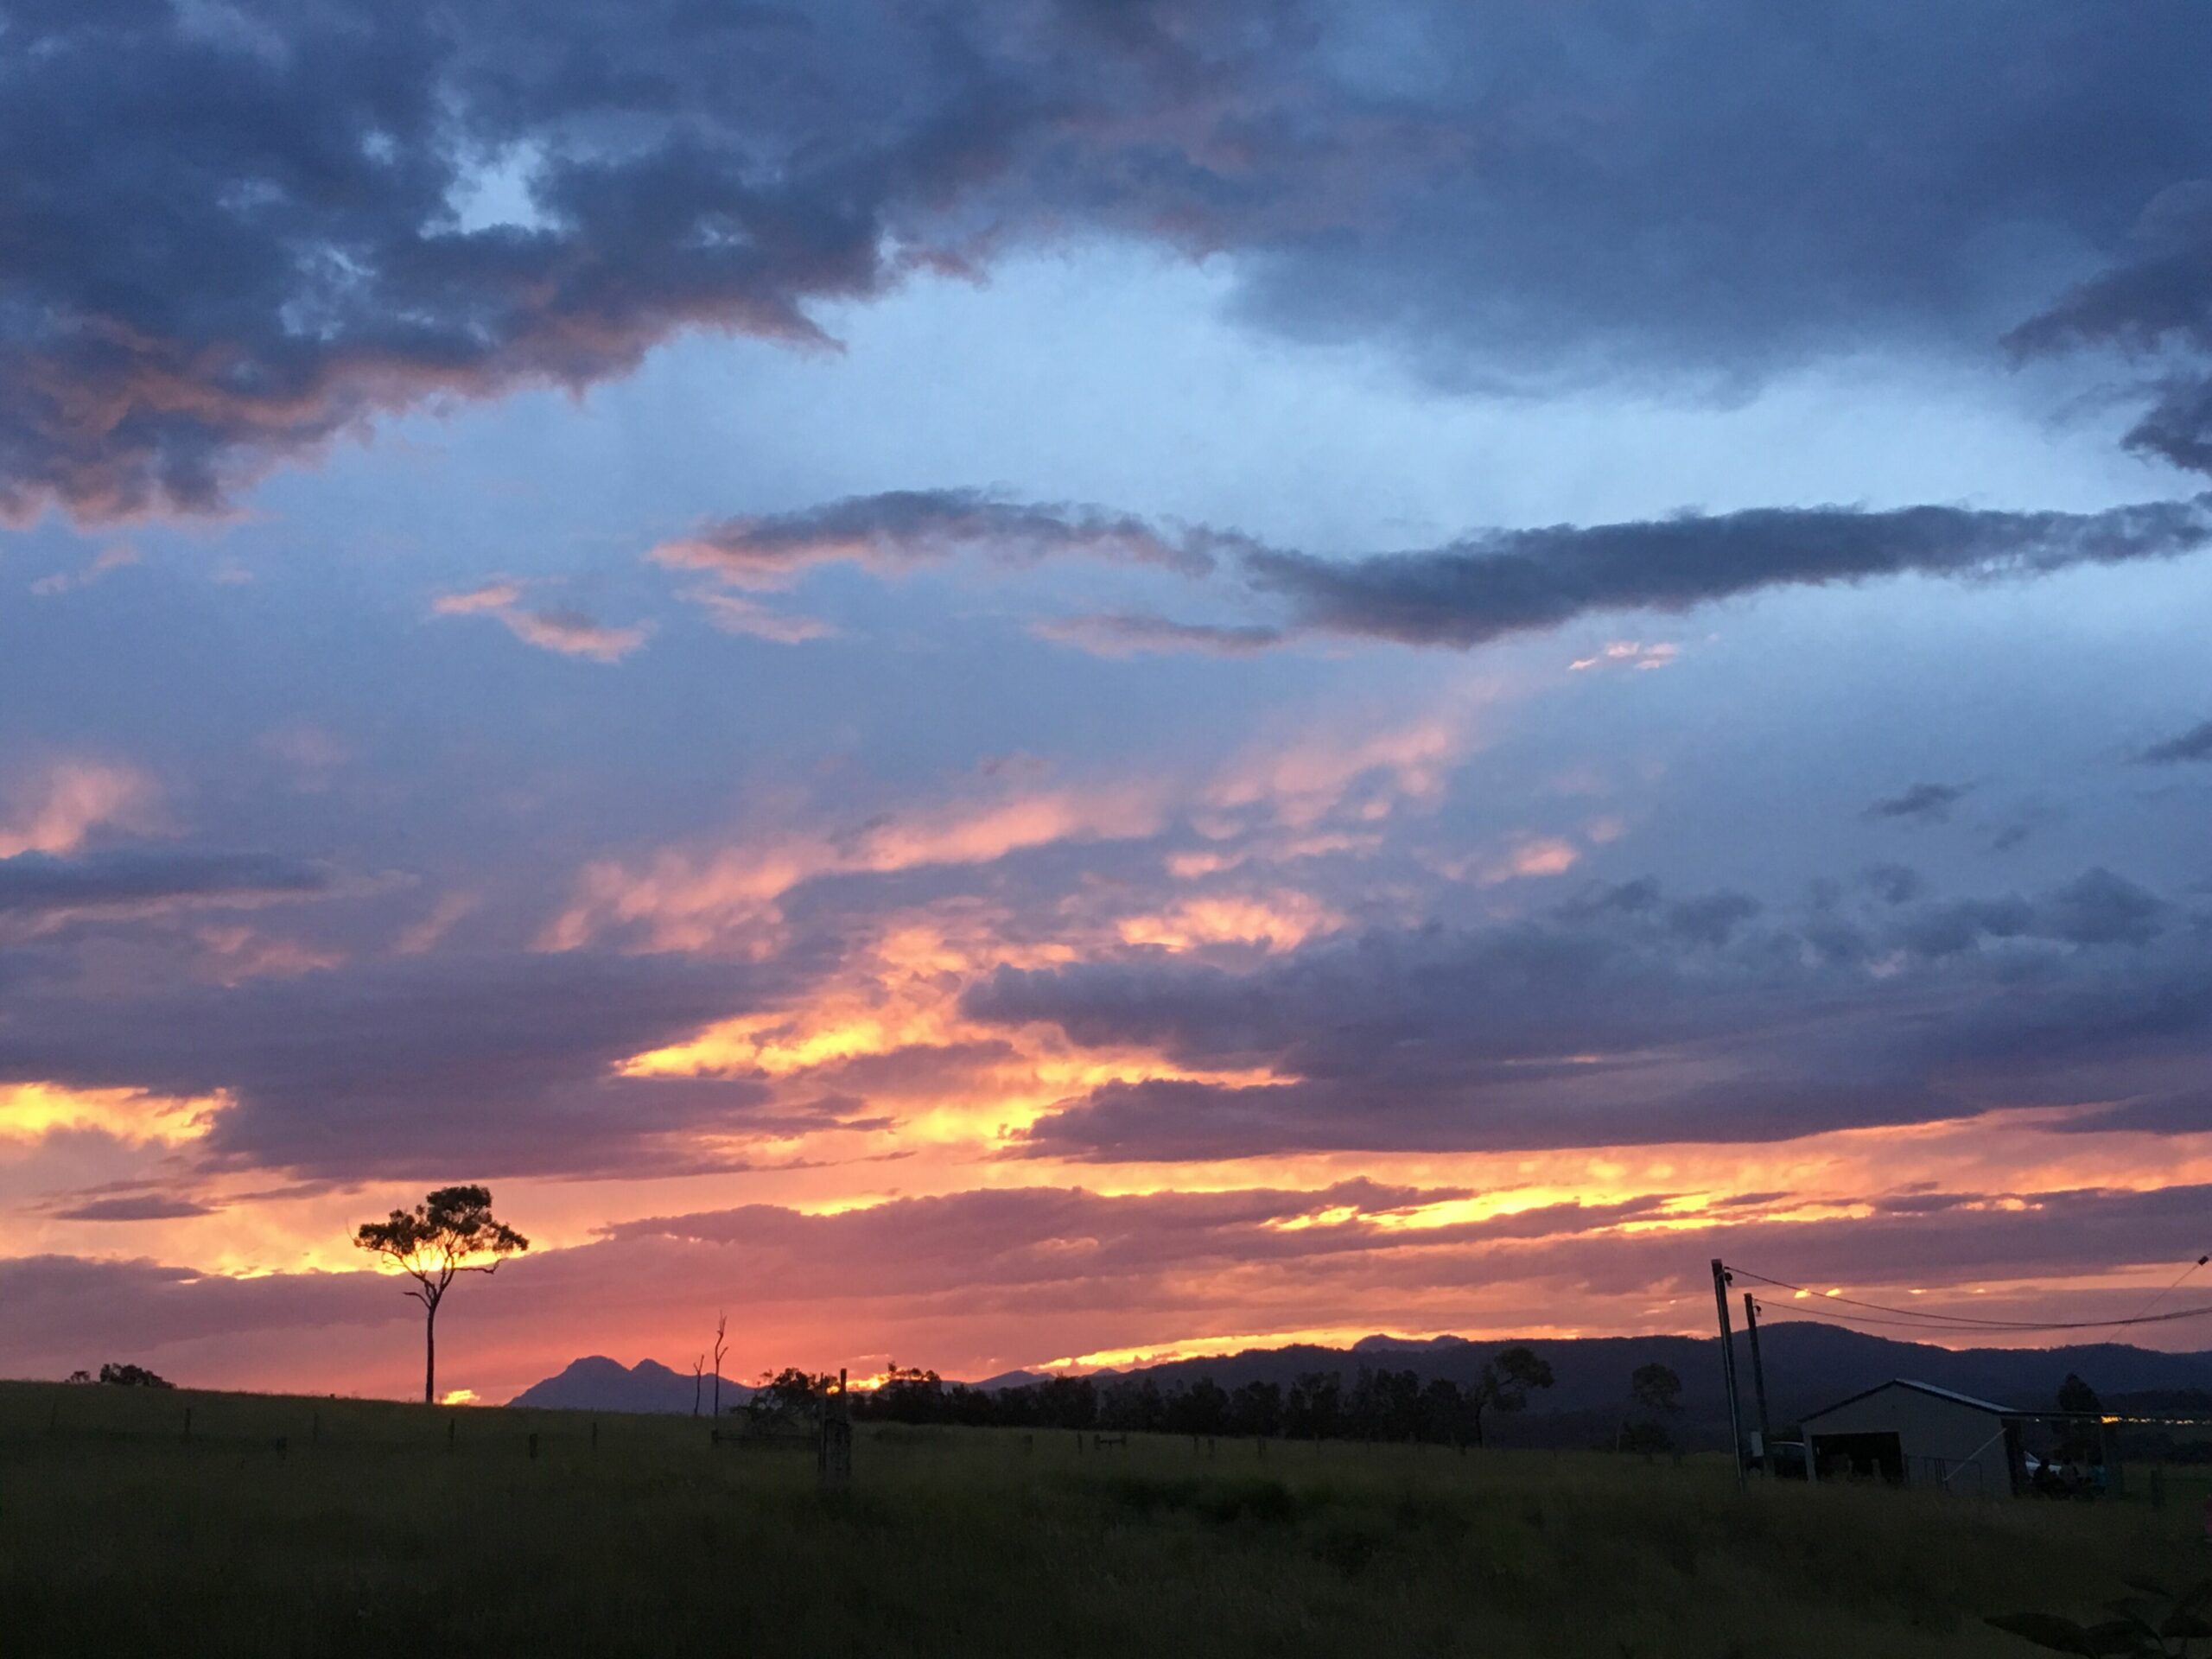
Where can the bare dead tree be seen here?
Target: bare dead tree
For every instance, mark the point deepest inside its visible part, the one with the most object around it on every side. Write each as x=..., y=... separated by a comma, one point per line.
x=721, y=1329
x=698, y=1370
x=448, y=1234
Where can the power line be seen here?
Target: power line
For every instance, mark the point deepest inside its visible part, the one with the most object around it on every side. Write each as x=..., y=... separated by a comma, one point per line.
x=1922, y=1319
x=2178, y=1277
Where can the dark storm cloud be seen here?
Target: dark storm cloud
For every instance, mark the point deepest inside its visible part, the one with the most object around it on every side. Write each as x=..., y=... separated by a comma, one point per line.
x=1509, y=581
x=44, y=884
x=2156, y=304
x=238, y=232
x=2194, y=744
x=1923, y=803
x=1485, y=587
x=1722, y=187
x=1622, y=1019
x=498, y=1064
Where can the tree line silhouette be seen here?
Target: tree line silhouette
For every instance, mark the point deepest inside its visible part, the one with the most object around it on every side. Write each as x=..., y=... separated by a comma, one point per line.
x=1376, y=1404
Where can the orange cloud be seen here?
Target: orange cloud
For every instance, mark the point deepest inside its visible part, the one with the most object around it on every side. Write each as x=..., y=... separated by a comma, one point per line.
x=1277, y=921
x=30, y=1111
x=727, y=899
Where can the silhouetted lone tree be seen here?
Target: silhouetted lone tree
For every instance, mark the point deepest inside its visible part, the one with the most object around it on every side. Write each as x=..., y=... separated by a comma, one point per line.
x=1503, y=1385
x=433, y=1244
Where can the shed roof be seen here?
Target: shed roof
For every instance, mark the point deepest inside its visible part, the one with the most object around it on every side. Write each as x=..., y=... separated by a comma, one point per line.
x=1951, y=1394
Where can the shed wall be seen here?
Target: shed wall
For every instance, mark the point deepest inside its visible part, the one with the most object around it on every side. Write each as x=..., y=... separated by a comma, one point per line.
x=1957, y=1447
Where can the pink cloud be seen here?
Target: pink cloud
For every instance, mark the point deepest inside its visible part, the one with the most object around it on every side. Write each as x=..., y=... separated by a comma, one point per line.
x=56, y=811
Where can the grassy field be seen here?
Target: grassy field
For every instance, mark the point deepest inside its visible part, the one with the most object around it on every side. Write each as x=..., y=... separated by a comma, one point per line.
x=369, y=1530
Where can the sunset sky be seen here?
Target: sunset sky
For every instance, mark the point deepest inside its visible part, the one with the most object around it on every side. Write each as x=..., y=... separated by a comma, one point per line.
x=1038, y=681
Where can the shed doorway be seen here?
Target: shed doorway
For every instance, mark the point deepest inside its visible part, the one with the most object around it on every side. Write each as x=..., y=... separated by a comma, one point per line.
x=1859, y=1457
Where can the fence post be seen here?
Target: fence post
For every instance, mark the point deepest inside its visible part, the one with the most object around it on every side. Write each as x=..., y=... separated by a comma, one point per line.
x=834, y=1450
x=187, y=1424
x=452, y=1424
x=533, y=1446
x=594, y=1434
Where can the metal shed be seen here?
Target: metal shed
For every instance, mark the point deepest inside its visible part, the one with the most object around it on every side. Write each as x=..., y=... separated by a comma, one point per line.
x=1917, y=1434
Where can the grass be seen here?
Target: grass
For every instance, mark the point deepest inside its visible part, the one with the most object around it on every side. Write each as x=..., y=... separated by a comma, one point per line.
x=367, y=1532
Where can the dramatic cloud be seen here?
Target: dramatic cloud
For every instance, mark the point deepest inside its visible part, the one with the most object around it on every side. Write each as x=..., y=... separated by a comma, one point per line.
x=501, y=1065
x=952, y=994
x=1508, y=581
x=356, y=208
x=2156, y=304
x=1484, y=586
x=1619, y=1019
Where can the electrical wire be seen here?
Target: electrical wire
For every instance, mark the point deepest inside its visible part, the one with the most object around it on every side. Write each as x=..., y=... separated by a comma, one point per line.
x=2178, y=1277
x=1919, y=1319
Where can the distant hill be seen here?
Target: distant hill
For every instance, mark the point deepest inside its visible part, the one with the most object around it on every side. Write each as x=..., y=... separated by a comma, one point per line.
x=598, y=1383
x=1010, y=1380
x=1808, y=1366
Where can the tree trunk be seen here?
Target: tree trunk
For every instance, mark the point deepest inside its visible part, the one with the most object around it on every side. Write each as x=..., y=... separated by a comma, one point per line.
x=430, y=1356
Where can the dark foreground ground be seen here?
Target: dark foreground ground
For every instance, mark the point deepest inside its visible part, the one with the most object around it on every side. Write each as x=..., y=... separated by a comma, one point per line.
x=371, y=1531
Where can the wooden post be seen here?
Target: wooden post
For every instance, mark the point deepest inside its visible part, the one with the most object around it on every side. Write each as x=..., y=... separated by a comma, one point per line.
x=834, y=1450
x=533, y=1446
x=594, y=1434
x=452, y=1425
x=1728, y=1368
x=187, y=1424
x=1758, y=1383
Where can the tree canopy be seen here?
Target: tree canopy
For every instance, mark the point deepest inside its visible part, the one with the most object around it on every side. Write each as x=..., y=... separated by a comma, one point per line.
x=451, y=1232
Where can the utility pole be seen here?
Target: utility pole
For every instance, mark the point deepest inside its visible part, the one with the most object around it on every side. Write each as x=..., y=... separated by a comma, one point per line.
x=1728, y=1368
x=1759, y=1384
